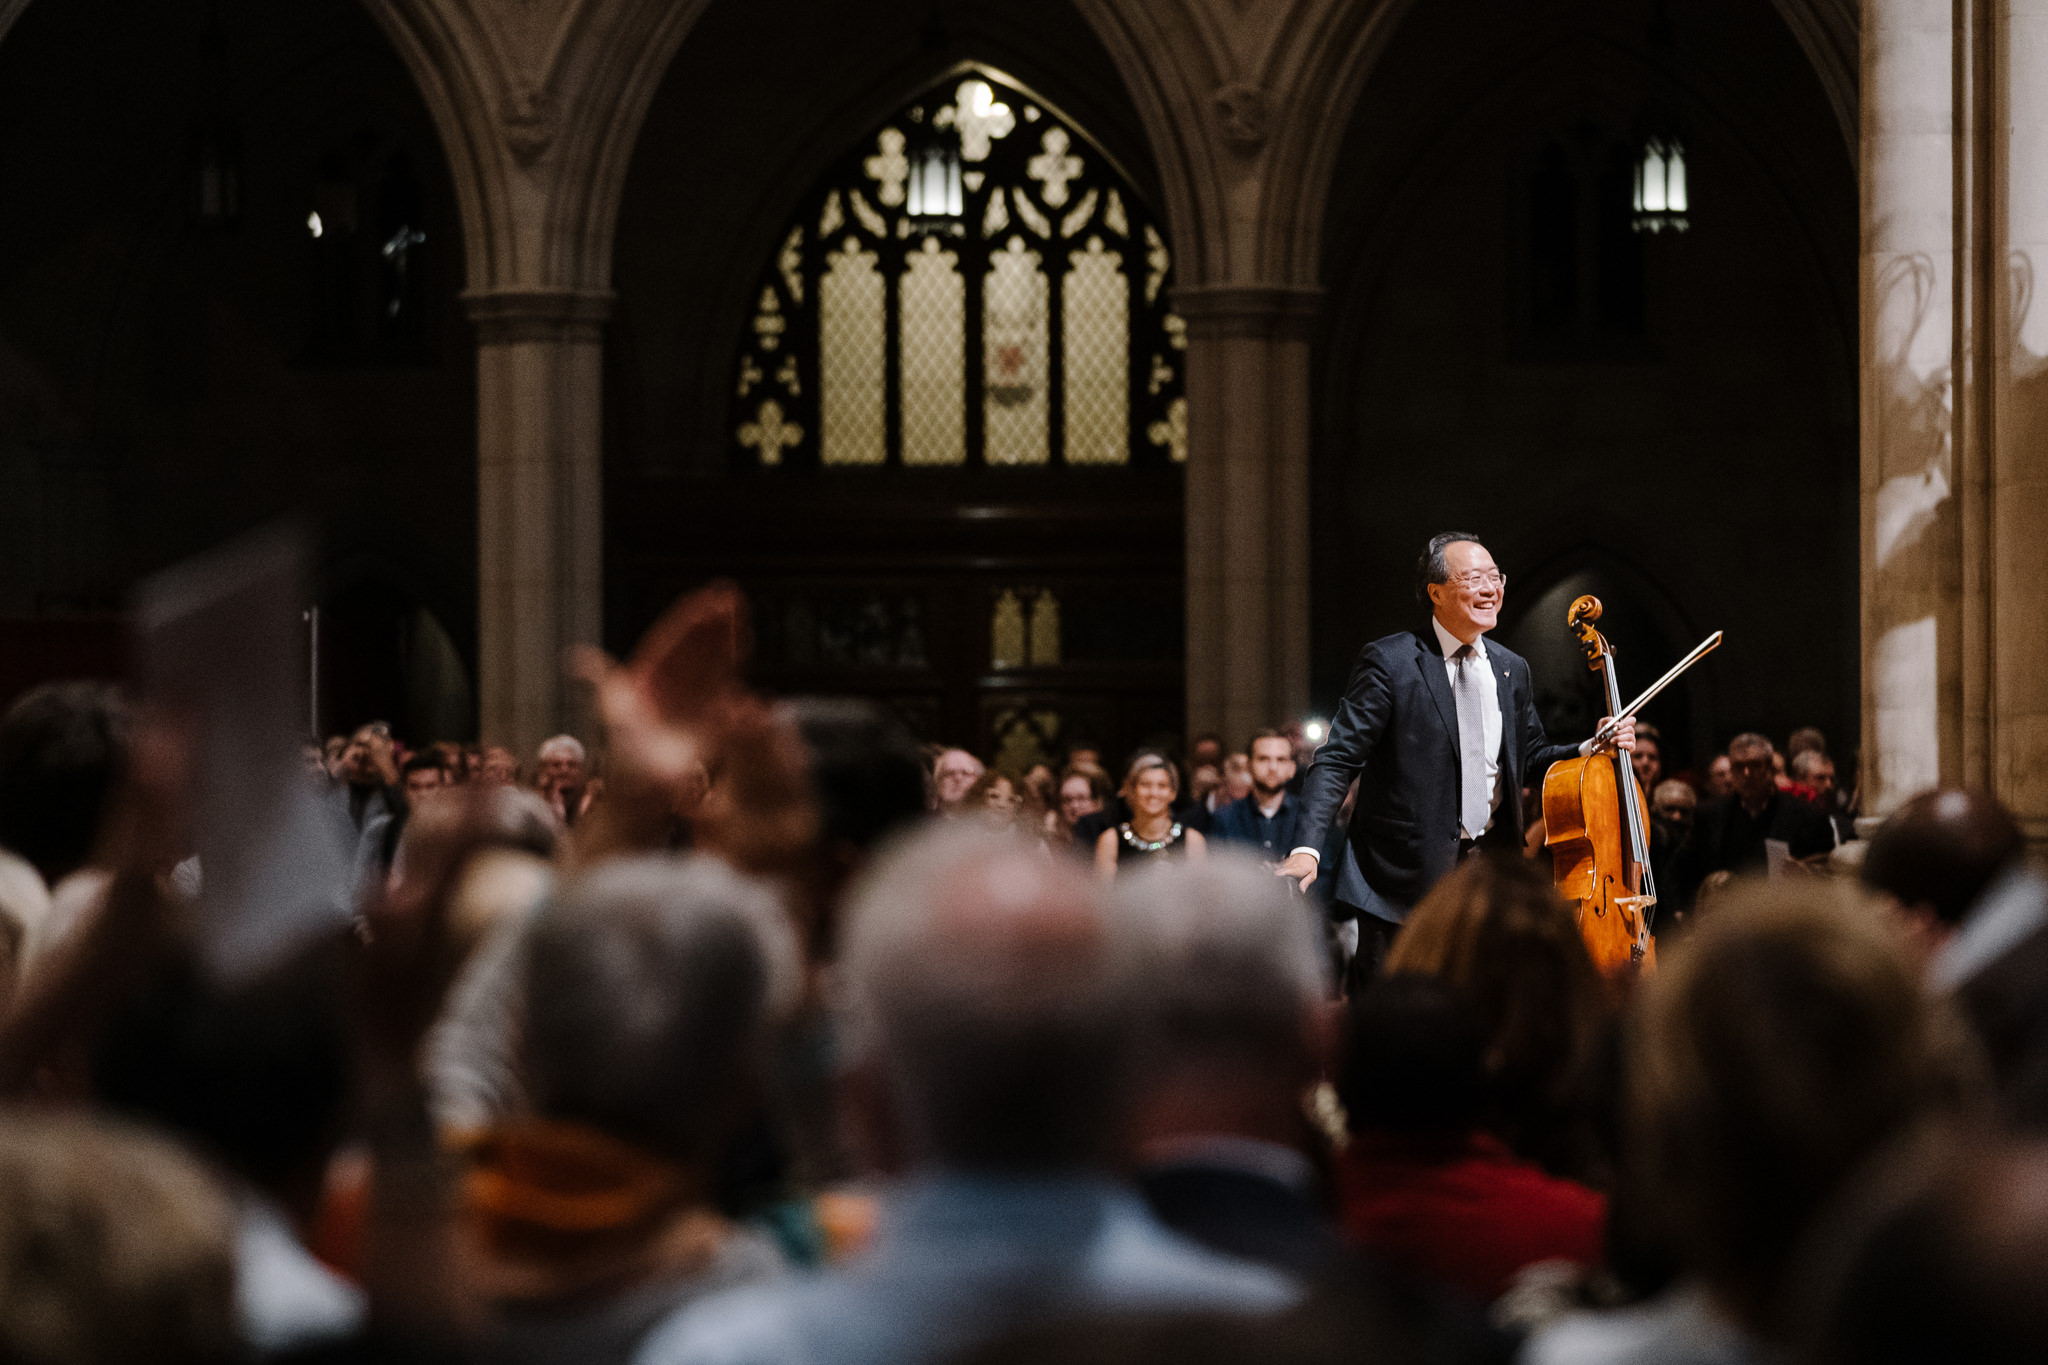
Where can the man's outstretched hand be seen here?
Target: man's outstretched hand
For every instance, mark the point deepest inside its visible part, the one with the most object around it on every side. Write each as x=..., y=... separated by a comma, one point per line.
x=1302, y=867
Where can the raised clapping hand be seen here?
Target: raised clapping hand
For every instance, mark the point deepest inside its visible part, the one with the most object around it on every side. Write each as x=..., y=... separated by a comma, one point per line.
x=686, y=738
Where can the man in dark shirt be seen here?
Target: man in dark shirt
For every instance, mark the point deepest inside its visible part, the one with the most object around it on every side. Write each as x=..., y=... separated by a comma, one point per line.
x=1264, y=819
x=1733, y=832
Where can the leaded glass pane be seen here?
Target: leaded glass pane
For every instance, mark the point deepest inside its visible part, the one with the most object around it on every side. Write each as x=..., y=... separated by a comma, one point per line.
x=850, y=360
x=1014, y=354
x=1096, y=299
x=1045, y=630
x=1006, y=631
x=932, y=310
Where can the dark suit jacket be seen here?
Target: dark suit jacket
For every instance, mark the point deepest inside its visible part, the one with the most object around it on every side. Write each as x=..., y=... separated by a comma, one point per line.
x=1238, y=823
x=1396, y=731
x=1247, y=1215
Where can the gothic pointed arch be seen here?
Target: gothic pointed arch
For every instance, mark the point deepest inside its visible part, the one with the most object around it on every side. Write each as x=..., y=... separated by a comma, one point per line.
x=974, y=282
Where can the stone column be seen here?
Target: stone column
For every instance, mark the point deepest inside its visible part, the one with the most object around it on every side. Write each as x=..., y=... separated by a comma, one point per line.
x=1955, y=401
x=540, y=519
x=1912, y=561
x=1247, y=505
x=2015, y=268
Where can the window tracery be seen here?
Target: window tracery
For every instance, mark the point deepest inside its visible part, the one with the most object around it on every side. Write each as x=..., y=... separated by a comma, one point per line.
x=974, y=283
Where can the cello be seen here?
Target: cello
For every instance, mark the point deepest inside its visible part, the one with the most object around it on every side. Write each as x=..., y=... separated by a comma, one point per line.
x=1597, y=827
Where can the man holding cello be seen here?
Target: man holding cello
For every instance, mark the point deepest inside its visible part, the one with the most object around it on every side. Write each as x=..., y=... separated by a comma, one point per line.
x=1440, y=730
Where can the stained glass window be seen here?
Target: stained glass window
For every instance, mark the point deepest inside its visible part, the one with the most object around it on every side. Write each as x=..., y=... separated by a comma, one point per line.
x=974, y=283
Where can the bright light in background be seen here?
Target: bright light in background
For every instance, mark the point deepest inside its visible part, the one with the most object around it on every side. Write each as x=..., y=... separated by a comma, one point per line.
x=313, y=223
x=1314, y=731
x=1661, y=200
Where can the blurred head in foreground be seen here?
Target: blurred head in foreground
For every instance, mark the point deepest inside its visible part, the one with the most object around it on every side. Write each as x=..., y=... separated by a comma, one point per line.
x=114, y=1248
x=1774, y=1055
x=990, y=999
x=1235, y=1001
x=1936, y=856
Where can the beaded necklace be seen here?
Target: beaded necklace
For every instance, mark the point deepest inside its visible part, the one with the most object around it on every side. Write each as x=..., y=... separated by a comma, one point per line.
x=1130, y=837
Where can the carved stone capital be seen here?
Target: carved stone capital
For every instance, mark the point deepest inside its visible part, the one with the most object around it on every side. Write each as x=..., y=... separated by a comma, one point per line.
x=503, y=316
x=1244, y=116
x=530, y=116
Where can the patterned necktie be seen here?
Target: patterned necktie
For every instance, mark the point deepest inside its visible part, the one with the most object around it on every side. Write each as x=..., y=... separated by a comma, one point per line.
x=1476, y=800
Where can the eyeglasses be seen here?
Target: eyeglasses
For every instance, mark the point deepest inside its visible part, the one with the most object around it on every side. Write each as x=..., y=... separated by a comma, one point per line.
x=1492, y=578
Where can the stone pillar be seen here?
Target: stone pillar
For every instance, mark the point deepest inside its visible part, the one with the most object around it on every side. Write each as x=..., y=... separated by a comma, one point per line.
x=1955, y=401
x=2015, y=266
x=1912, y=562
x=1247, y=505
x=540, y=522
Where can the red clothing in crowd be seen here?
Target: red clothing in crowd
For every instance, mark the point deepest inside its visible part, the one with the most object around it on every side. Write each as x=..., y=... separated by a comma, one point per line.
x=1464, y=1211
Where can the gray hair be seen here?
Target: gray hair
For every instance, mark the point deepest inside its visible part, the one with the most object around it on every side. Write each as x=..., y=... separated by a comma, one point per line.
x=650, y=985
x=1433, y=567
x=1751, y=742
x=1809, y=761
x=993, y=989
x=563, y=742
x=1238, y=962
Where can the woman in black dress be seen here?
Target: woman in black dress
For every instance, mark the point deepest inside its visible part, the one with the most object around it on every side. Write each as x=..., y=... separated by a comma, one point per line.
x=1151, y=832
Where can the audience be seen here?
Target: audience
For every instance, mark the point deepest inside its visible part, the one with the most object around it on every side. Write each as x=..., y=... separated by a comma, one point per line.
x=954, y=773
x=563, y=777
x=1264, y=818
x=991, y=999
x=1237, y=780
x=1757, y=825
x=116, y=1248
x=60, y=753
x=1648, y=757
x=1425, y=1185
x=62, y=747
x=1496, y=933
x=649, y=988
x=995, y=799
x=1781, y=1051
x=498, y=766
x=255, y=1078
x=424, y=773
x=1815, y=772
x=1673, y=809
x=672, y=1066
x=1720, y=778
x=1973, y=910
x=1152, y=830
x=1236, y=1036
x=1942, y=1256
x=1084, y=791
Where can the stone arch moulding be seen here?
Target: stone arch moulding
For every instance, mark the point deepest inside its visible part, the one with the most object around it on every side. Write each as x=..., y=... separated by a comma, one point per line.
x=1830, y=32
x=539, y=112
x=1245, y=107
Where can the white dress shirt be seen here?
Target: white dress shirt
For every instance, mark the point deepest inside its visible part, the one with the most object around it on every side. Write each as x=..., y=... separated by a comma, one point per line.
x=1489, y=710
